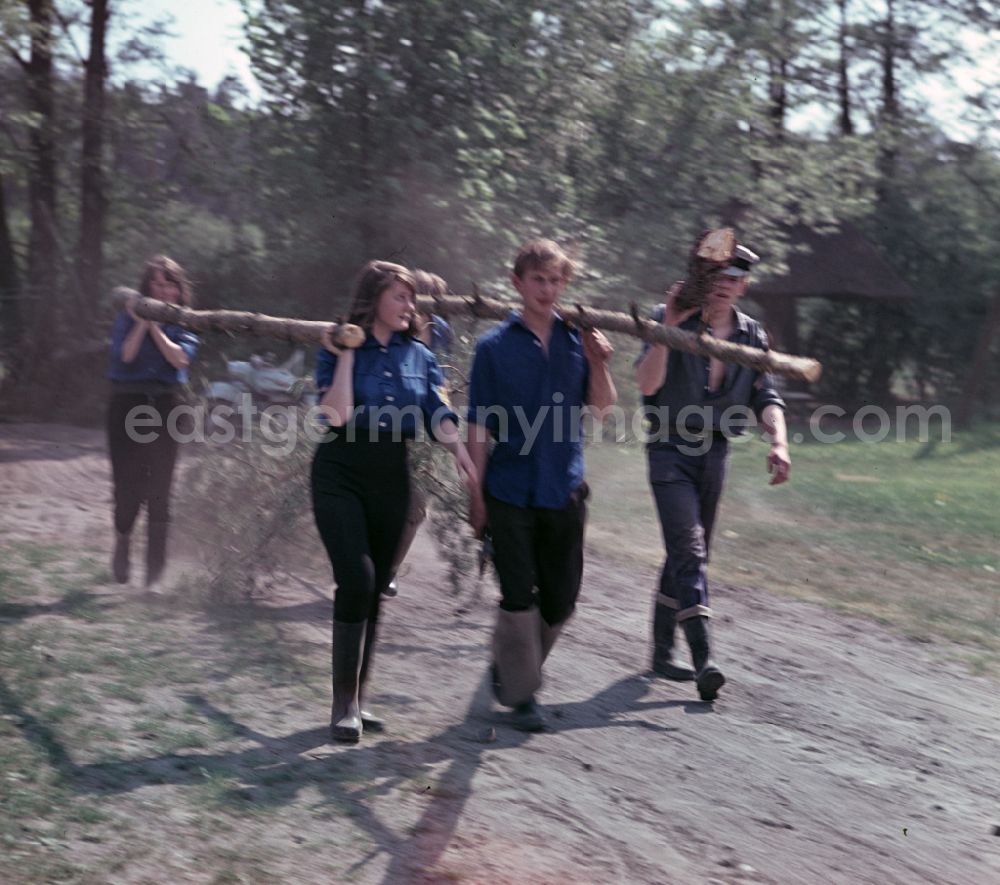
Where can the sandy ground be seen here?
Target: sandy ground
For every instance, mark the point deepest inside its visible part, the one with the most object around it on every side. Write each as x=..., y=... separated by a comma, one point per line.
x=838, y=752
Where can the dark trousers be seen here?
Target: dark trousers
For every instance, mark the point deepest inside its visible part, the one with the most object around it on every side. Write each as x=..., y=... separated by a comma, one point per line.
x=538, y=555
x=142, y=472
x=360, y=495
x=686, y=489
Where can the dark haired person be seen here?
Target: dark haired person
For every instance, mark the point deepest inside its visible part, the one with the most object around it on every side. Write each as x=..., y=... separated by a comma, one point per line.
x=374, y=399
x=436, y=335
x=696, y=405
x=533, y=373
x=149, y=363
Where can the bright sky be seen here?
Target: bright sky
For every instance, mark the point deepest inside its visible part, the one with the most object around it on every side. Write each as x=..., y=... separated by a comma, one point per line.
x=208, y=37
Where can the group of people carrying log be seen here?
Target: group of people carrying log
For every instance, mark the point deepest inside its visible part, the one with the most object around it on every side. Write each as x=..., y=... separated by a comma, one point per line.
x=533, y=378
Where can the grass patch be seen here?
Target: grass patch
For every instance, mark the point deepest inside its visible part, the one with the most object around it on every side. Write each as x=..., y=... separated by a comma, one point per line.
x=94, y=713
x=897, y=530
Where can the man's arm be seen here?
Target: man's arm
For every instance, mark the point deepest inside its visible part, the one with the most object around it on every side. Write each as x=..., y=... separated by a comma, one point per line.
x=651, y=370
x=779, y=464
x=478, y=445
x=601, y=392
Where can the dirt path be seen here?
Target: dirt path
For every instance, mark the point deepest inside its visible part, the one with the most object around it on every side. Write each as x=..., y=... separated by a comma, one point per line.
x=838, y=752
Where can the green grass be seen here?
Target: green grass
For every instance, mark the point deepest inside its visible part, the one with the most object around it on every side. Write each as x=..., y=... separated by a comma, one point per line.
x=905, y=532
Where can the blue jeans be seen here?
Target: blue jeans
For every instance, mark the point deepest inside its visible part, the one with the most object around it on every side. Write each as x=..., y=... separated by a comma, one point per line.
x=686, y=489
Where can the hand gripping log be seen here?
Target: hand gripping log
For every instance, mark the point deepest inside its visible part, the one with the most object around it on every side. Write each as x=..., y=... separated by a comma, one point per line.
x=348, y=335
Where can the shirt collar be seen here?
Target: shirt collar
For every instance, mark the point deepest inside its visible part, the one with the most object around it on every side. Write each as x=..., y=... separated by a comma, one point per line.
x=395, y=340
x=516, y=319
x=742, y=321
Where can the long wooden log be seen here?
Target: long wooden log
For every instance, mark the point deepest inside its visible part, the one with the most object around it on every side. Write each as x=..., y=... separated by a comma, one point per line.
x=798, y=367
x=239, y=322
x=347, y=335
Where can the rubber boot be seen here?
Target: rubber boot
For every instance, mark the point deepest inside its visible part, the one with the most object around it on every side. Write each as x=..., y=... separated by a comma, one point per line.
x=549, y=635
x=708, y=677
x=517, y=666
x=664, y=663
x=119, y=559
x=156, y=551
x=368, y=719
x=348, y=651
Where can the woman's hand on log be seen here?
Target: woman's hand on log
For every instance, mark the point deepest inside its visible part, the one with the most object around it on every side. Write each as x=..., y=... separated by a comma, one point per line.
x=326, y=336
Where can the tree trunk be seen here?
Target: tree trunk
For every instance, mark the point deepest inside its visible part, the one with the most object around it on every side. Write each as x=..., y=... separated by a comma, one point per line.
x=843, y=80
x=42, y=243
x=310, y=331
x=92, y=198
x=11, y=320
x=890, y=109
x=366, y=139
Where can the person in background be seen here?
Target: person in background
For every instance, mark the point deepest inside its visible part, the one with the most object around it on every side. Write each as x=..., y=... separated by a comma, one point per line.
x=533, y=371
x=149, y=364
x=696, y=405
x=436, y=335
x=374, y=399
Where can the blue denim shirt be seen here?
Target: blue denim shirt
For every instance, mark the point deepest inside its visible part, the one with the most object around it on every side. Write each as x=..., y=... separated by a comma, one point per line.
x=687, y=386
x=149, y=364
x=394, y=385
x=531, y=403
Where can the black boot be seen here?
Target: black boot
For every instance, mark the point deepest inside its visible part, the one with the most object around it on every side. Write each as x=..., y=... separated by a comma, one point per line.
x=368, y=719
x=119, y=559
x=708, y=677
x=550, y=633
x=348, y=651
x=528, y=717
x=156, y=551
x=664, y=664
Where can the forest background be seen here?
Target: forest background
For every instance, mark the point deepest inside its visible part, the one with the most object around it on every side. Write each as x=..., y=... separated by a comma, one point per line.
x=442, y=133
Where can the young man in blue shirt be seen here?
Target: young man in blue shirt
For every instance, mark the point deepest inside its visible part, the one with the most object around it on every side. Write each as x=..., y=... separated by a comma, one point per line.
x=695, y=406
x=532, y=377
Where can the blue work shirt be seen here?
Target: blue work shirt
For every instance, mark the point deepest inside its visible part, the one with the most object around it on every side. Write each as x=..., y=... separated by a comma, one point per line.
x=718, y=411
x=149, y=364
x=394, y=385
x=531, y=402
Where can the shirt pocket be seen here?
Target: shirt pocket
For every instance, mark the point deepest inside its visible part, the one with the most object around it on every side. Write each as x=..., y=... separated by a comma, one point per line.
x=413, y=381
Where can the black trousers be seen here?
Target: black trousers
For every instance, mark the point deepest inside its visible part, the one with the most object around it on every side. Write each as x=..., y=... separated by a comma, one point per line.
x=360, y=495
x=538, y=555
x=142, y=472
x=687, y=489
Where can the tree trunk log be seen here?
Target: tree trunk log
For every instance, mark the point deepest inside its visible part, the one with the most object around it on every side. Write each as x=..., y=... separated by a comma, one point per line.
x=238, y=322
x=310, y=331
x=799, y=367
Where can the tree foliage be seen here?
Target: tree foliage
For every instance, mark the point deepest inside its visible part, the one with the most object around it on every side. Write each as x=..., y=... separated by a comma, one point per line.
x=442, y=133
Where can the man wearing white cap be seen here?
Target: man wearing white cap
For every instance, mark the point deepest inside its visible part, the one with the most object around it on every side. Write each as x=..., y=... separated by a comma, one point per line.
x=695, y=406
